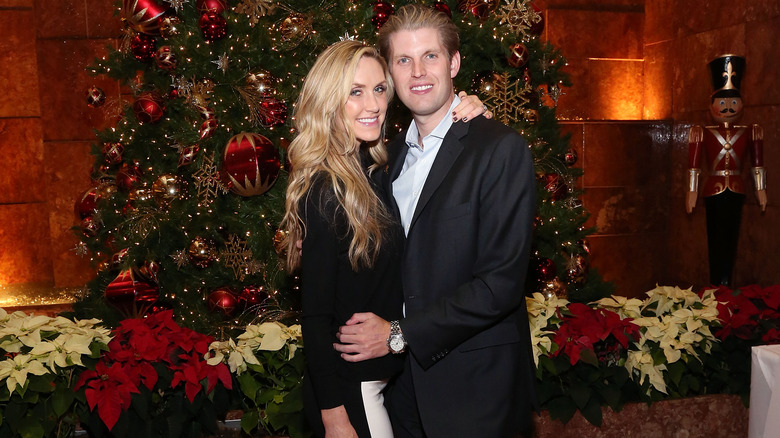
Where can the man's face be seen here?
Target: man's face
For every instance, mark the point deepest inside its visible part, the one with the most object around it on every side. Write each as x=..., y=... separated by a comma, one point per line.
x=726, y=109
x=422, y=72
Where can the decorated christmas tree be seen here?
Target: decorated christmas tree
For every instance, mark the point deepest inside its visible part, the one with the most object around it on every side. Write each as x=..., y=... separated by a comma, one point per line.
x=189, y=183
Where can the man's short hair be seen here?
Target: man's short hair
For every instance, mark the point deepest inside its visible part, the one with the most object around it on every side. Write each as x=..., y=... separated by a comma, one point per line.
x=413, y=17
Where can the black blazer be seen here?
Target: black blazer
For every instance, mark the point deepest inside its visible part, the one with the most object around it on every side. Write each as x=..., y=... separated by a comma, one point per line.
x=463, y=272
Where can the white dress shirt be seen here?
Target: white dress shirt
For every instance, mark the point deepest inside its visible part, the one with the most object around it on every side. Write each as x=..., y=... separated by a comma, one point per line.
x=419, y=160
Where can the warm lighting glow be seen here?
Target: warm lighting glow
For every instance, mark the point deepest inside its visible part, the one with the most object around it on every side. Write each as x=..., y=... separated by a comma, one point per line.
x=619, y=87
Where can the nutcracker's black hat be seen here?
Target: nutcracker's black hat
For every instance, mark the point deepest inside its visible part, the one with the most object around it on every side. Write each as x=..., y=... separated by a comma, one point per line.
x=726, y=73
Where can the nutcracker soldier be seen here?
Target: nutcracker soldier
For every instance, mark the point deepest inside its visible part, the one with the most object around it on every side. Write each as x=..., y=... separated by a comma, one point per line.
x=724, y=146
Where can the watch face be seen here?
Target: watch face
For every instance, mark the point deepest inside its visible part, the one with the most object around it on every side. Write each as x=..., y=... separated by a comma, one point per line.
x=396, y=343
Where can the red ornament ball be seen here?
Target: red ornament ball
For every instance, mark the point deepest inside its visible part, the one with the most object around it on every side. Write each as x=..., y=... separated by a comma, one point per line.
x=112, y=152
x=555, y=185
x=252, y=296
x=273, y=112
x=95, y=97
x=89, y=227
x=148, y=108
x=250, y=164
x=223, y=301
x=188, y=154
x=86, y=206
x=382, y=12
x=128, y=176
x=208, y=127
x=165, y=58
x=216, y=6
x=478, y=8
x=131, y=295
x=518, y=55
x=213, y=26
x=442, y=7
x=570, y=157
x=143, y=47
x=143, y=15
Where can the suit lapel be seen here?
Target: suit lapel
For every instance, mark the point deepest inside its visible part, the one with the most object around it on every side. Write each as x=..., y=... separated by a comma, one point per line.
x=450, y=150
x=395, y=162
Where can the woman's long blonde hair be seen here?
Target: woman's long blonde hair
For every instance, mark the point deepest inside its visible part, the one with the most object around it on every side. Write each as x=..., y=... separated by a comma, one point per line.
x=326, y=143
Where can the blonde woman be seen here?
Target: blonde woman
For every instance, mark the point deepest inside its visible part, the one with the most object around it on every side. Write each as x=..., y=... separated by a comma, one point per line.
x=351, y=244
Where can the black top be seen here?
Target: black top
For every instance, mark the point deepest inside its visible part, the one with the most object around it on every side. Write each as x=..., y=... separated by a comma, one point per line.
x=332, y=292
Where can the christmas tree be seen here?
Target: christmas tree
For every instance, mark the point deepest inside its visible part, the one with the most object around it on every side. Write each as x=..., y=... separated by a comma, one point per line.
x=190, y=181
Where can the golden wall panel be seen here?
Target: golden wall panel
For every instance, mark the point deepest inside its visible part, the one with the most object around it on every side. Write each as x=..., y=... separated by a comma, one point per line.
x=21, y=151
x=67, y=172
x=19, y=77
x=26, y=247
x=64, y=111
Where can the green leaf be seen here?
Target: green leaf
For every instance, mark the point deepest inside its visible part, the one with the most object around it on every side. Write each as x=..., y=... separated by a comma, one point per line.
x=592, y=413
x=62, y=399
x=580, y=394
x=30, y=427
x=612, y=394
x=249, y=421
x=249, y=385
x=589, y=356
x=676, y=371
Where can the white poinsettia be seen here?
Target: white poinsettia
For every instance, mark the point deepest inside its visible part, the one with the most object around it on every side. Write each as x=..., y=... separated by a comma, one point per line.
x=676, y=321
x=41, y=344
x=63, y=351
x=20, y=330
x=542, y=316
x=623, y=306
x=268, y=336
x=642, y=361
x=15, y=370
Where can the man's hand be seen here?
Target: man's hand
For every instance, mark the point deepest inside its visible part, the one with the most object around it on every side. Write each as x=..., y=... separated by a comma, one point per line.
x=364, y=337
x=761, y=196
x=690, y=201
x=469, y=107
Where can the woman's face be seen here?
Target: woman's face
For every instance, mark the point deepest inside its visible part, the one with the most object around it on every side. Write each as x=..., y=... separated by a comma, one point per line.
x=367, y=104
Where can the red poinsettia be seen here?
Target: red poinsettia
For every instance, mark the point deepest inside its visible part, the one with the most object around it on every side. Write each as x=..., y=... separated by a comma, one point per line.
x=585, y=329
x=109, y=388
x=140, y=344
x=749, y=313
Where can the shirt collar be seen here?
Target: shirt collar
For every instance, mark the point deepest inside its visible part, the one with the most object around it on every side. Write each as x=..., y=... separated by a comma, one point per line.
x=439, y=131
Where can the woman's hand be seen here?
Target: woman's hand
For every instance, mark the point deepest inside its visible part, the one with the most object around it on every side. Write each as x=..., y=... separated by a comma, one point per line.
x=336, y=422
x=470, y=106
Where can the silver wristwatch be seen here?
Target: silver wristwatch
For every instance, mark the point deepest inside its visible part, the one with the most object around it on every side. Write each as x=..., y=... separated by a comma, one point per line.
x=396, y=342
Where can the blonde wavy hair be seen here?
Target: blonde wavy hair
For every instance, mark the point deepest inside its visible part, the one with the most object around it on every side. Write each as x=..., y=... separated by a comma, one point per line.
x=326, y=143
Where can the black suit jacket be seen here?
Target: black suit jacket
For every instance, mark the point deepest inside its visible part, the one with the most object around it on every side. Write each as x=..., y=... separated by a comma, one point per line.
x=463, y=272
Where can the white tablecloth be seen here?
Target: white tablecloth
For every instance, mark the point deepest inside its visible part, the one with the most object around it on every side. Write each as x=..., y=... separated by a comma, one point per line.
x=765, y=392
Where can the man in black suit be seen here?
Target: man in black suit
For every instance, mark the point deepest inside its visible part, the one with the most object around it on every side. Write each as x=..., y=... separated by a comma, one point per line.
x=465, y=195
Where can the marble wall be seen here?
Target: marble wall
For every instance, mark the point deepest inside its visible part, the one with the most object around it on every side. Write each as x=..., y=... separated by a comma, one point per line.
x=45, y=135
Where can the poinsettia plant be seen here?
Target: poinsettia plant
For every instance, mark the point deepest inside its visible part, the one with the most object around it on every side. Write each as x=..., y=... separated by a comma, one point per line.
x=267, y=361
x=580, y=351
x=41, y=358
x=749, y=316
x=676, y=340
x=155, y=381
